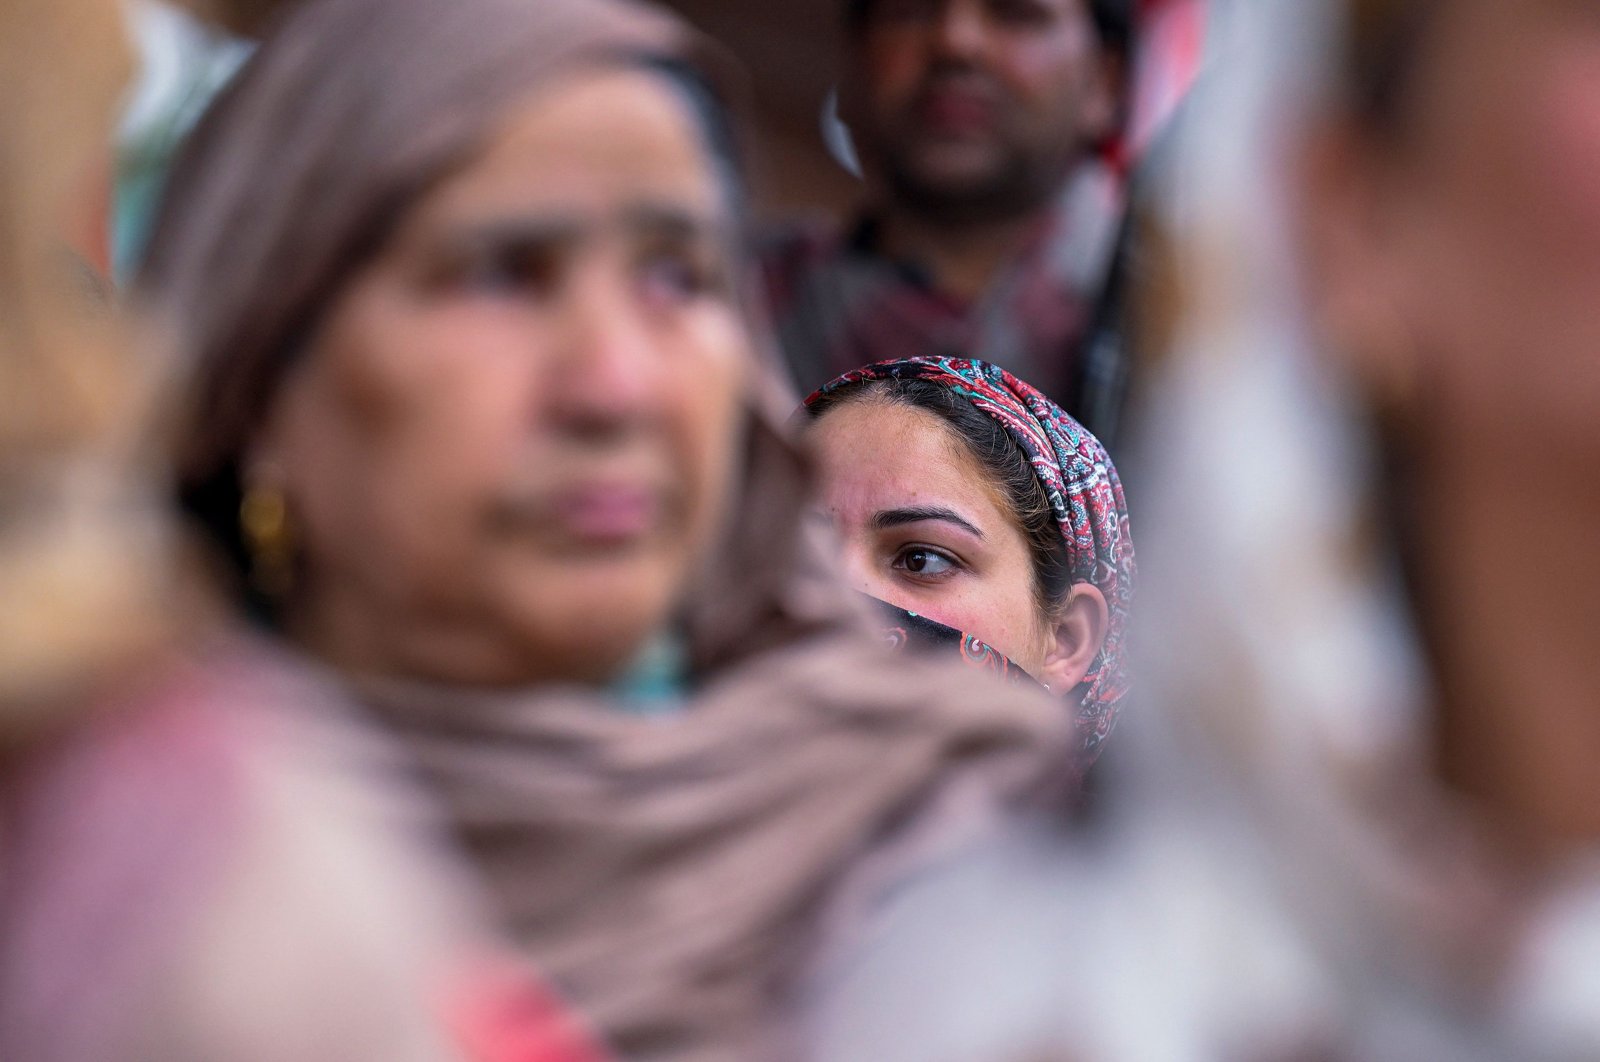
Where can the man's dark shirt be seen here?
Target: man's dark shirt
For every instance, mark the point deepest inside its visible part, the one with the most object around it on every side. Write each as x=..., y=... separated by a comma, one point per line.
x=838, y=303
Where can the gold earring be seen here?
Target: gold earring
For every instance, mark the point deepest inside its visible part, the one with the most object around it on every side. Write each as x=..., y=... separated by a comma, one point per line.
x=264, y=520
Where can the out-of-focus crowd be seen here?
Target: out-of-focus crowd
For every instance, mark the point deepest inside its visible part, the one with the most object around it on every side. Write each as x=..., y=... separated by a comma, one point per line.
x=566, y=530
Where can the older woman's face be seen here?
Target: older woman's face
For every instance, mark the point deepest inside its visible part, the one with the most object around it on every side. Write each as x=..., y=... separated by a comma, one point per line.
x=511, y=441
x=923, y=527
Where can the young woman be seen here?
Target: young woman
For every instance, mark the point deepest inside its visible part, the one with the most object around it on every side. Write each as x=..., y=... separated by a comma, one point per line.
x=477, y=413
x=964, y=497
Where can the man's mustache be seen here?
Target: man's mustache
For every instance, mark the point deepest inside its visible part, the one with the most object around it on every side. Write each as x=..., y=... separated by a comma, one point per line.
x=960, y=76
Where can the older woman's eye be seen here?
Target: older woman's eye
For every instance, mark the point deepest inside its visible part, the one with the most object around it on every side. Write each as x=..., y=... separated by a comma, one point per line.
x=924, y=562
x=510, y=271
x=675, y=277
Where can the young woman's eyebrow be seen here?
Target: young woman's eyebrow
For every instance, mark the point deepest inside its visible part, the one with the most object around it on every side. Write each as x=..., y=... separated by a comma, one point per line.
x=887, y=518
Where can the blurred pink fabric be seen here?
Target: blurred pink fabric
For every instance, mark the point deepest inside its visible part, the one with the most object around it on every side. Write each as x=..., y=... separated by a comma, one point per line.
x=223, y=861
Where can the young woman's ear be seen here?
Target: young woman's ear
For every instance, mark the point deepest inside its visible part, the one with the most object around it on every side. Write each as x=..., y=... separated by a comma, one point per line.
x=1076, y=637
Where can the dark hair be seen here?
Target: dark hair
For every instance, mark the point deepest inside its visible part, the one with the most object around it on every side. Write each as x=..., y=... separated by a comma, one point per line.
x=1008, y=468
x=1113, y=21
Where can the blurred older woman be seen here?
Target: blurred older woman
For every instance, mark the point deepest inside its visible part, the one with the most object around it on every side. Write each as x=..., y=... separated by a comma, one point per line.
x=480, y=416
x=197, y=862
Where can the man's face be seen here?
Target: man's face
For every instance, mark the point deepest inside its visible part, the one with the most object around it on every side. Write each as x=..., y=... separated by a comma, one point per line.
x=976, y=109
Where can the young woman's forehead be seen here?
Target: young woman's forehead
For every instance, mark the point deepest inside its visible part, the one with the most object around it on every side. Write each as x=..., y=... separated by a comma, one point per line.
x=898, y=451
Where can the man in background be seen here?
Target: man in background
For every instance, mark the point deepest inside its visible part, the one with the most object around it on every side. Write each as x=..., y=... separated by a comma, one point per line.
x=990, y=214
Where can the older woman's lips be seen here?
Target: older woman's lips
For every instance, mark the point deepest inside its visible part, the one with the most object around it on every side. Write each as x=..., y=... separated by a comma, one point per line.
x=605, y=514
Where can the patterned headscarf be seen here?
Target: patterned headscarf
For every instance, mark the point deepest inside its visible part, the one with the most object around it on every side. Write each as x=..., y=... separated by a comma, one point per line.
x=1085, y=495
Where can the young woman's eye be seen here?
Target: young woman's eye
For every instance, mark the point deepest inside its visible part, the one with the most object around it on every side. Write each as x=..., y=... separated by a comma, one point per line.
x=924, y=562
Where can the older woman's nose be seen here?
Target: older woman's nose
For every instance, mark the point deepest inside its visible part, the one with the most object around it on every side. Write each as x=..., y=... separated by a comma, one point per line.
x=608, y=364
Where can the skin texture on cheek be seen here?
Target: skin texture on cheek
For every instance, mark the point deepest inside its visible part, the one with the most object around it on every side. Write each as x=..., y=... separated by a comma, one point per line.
x=379, y=482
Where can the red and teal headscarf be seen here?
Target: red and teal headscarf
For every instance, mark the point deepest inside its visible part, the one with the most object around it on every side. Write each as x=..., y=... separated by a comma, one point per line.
x=1085, y=495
